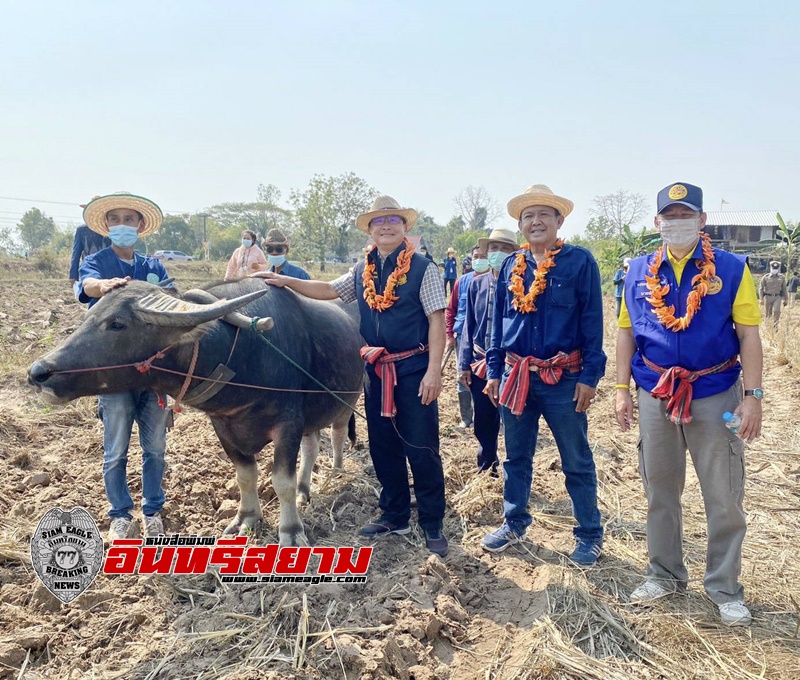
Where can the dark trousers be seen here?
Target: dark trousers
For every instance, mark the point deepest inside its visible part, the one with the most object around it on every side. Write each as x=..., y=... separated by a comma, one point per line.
x=486, y=423
x=451, y=283
x=418, y=425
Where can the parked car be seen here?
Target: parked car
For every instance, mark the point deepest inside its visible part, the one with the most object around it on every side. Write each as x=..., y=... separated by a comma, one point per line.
x=170, y=255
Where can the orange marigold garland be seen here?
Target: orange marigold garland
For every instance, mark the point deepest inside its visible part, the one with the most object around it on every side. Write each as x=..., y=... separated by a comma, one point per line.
x=398, y=276
x=700, y=284
x=526, y=302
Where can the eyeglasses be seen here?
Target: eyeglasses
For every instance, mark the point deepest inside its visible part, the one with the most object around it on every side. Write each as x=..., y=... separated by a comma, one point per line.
x=277, y=250
x=391, y=219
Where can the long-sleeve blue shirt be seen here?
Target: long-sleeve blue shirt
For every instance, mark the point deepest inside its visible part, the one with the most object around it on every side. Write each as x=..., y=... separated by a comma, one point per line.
x=568, y=316
x=476, y=320
x=293, y=270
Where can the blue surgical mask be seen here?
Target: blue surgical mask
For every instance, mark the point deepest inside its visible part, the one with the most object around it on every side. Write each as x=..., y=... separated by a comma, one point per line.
x=480, y=265
x=123, y=237
x=246, y=242
x=496, y=259
x=276, y=260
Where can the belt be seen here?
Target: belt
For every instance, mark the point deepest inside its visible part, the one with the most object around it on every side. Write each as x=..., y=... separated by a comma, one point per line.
x=772, y=294
x=675, y=385
x=515, y=391
x=384, y=368
x=479, y=367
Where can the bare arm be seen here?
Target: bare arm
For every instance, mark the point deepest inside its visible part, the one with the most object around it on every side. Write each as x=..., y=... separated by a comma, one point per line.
x=97, y=288
x=752, y=358
x=317, y=290
x=431, y=386
x=626, y=348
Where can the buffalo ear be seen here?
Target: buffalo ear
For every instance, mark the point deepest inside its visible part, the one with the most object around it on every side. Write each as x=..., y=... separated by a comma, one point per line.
x=160, y=309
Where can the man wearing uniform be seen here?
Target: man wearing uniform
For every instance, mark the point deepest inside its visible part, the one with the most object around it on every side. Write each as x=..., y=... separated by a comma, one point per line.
x=123, y=218
x=402, y=304
x=689, y=315
x=476, y=337
x=774, y=292
x=547, y=345
x=276, y=246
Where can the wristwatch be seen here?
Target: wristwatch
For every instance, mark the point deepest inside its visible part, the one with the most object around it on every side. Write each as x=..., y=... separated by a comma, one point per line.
x=758, y=393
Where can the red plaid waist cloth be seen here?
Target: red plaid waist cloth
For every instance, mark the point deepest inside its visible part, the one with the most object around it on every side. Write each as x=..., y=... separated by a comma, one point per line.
x=479, y=367
x=384, y=363
x=675, y=385
x=515, y=391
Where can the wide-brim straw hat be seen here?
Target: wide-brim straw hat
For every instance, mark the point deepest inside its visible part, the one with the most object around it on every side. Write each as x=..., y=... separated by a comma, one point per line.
x=499, y=236
x=539, y=194
x=386, y=205
x=94, y=214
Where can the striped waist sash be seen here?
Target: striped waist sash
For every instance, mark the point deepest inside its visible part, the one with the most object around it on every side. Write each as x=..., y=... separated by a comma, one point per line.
x=385, y=370
x=515, y=391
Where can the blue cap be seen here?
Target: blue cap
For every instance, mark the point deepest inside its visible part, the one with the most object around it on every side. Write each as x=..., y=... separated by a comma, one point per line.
x=681, y=193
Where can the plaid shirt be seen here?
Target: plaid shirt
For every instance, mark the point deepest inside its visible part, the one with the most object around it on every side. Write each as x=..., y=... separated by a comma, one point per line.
x=431, y=292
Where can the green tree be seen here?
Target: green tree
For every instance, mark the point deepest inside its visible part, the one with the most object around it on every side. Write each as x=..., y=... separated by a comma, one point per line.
x=175, y=234
x=36, y=229
x=62, y=240
x=788, y=242
x=325, y=215
x=6, y=239
x=260, y=215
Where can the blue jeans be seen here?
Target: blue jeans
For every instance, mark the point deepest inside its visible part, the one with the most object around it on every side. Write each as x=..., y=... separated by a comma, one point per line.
x=569, y=428
x=118, y=412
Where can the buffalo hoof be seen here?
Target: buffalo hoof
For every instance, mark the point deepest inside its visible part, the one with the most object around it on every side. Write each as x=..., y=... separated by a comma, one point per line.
x=295, y=539
x=302, y=499
x=243, y=526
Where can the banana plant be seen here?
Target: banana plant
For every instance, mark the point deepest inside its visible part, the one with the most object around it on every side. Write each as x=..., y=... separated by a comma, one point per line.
x=788, y=236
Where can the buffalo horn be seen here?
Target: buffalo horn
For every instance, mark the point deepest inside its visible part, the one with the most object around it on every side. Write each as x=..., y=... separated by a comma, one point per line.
x=163, y=310
x=233, y=318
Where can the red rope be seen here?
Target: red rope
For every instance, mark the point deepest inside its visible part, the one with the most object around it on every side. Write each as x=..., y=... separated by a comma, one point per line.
x=177, y=405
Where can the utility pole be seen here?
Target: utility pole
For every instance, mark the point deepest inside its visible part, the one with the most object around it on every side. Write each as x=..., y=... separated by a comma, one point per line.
x=205, y=240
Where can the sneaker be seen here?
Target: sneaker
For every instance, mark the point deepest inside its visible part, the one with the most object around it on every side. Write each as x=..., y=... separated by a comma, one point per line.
x=383, y=526
x=735, y=614
x=121, y=527
x=501, y=538
x=649, y=591
x=436, y=542
x=586, y=553
x=153, y=526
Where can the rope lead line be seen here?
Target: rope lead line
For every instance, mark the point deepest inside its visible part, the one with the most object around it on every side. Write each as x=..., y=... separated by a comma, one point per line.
x=261, y=335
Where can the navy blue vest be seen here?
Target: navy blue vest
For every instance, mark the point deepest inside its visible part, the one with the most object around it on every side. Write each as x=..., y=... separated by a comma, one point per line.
x=404, y=325
x=711, y=337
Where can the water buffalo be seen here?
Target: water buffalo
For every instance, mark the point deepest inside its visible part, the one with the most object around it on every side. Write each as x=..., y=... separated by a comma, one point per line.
x=132, y=323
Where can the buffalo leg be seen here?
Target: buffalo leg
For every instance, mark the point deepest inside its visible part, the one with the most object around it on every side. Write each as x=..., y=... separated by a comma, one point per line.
x=309, y=450
x=284, y=481
x=339, y=432
x=249, y=514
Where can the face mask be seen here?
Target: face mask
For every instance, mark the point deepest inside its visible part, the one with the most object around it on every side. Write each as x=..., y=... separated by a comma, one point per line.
x=276, y=260
x=497, y=258
x=679, y=232
x=246, y=242
x=480, y=265
x=123, y=237
x=775, y=270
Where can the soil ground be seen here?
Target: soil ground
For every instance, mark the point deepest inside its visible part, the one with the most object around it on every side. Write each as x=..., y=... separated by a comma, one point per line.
x=528, y=613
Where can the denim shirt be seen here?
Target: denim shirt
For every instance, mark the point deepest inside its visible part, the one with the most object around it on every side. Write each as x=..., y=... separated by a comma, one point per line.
x=476, y=321
x=568, y=316
x=294, y=271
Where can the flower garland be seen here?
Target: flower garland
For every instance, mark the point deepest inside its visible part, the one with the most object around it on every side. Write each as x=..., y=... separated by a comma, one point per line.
x=700, y=285
x=398, y=276
x=526, y=302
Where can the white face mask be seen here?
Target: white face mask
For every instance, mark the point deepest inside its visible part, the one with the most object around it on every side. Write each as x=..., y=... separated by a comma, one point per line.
x=679, y=232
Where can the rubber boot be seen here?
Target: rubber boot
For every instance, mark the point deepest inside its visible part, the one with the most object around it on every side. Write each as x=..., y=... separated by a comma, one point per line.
x=465, y=406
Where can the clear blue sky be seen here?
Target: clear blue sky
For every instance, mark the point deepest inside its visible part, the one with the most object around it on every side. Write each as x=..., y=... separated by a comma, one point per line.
x=196, y=102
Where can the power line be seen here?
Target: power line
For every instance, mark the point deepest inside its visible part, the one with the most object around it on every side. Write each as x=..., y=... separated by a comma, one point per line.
x=77, y=205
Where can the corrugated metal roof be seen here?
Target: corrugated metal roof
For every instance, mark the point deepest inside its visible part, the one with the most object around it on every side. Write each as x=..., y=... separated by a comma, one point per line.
x=744, y=218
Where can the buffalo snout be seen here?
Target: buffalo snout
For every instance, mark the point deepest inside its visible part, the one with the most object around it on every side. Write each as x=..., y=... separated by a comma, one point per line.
x=38, y=374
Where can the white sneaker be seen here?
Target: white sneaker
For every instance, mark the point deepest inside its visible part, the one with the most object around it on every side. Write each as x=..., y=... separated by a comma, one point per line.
x=153, y=526
x=649, y=591
x=735, y=614
x=121, y=527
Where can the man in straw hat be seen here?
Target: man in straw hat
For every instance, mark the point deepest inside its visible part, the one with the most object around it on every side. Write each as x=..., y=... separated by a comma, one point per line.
x=450, y=273
x=124, y=218
x=402, y=303
x=688, y=315
x=277, y=247
x=547, y=333
x=774, y=292
x=476, y=337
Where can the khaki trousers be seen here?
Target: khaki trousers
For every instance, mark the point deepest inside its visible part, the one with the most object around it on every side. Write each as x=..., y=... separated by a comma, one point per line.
x=718, y=458
x=772, y=307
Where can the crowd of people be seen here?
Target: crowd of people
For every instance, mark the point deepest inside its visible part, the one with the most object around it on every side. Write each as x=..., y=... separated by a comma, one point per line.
x=526, y=325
